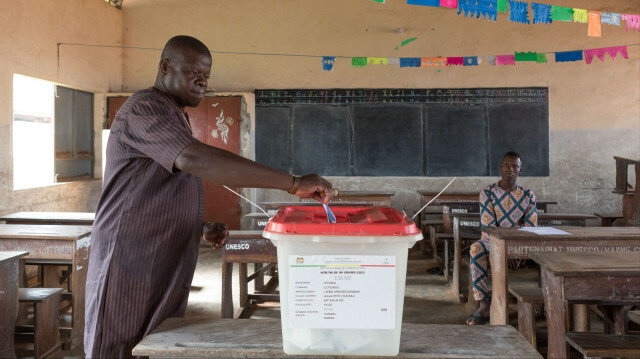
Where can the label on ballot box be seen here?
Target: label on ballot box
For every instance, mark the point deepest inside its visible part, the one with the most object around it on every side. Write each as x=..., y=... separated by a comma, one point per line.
x=342, y=291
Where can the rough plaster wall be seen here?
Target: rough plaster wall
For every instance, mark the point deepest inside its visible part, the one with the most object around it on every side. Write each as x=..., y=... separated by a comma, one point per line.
x=594, y=109
x=31, y=32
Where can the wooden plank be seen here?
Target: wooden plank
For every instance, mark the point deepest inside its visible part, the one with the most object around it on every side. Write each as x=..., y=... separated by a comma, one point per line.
x=262, y=338
x=9, y=280
x=528, y=294
x=67, y=218
x=36, y=295
x=604, y=345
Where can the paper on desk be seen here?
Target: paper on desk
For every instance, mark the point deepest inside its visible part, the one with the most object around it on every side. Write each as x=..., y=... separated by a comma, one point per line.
x=545, y=231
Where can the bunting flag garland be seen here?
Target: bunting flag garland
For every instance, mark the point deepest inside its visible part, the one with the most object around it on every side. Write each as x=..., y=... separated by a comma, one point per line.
x=526, y=56
x=610, y=18
x=377, y=60
x=519, y=12
x=471, y=61
x=541, y=13
x=424, y=2
x=567, y=56
x=410, y=62
x=579, y=15
x=455, y=61
x=594, y=28
x=505, y=60
x=433, y=62
x=453, y=4
x=560, y=13
x=358, y=61
x=633, y=21
x=503, y=6
x=599, y=53
x=328, y=62
x=541, y=58
x=488, y=8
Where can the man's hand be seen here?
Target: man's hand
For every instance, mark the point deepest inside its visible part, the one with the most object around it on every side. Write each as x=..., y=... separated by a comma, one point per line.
x=314, y=186
x=215, y=233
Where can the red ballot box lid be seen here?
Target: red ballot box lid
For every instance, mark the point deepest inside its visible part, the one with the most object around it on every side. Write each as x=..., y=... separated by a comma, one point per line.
x=350, y=221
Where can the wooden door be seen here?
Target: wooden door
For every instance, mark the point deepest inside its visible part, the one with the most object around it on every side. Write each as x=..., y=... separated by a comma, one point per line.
x=216, y=122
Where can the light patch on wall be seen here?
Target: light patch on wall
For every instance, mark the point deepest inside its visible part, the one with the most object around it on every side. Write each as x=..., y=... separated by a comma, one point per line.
x=33, y=132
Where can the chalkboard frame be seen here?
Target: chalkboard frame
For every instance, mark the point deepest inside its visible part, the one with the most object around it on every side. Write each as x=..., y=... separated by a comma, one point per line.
x=494, y=119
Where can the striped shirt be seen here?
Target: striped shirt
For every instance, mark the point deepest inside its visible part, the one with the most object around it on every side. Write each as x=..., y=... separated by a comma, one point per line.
x=146, y=232
x=500, y=208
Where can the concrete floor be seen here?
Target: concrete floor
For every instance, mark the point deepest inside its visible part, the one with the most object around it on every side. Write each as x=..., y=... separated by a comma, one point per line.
x=428, y=298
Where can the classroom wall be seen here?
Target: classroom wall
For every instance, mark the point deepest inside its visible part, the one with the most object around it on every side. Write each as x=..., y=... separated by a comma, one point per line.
x=31, y=32
x=594, y=110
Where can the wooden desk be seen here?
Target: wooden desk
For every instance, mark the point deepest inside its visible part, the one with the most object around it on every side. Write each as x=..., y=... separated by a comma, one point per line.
x=461, y=198
x=262, y=338
x=56, y=242
x=608, y=278
x=507, y=243
x=9, y=269
x=246, y=247
x=607, y=219
x=360, y=198
x=69, y=218
x=466, y=226
x=272, y=207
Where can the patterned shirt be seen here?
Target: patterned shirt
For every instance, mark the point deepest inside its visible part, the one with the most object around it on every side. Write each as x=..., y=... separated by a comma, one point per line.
x=500, y=208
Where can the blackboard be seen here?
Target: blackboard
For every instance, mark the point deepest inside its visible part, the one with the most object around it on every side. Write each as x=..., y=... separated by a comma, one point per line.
x=273, y=133
x=400, y=132
x=320, y=140
x=455, y=141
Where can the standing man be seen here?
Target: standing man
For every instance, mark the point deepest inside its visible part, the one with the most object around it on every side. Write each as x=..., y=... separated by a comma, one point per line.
x=148, y=222
x=502, y=204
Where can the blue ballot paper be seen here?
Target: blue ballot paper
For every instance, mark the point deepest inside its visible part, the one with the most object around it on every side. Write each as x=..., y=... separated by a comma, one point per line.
x=330, y=217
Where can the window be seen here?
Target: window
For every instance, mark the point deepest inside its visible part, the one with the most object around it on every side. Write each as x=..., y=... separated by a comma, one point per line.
x=52, y=133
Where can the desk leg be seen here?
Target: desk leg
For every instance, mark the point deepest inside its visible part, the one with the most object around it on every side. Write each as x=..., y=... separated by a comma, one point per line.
x=615, y=321
x=457, y=257
x=552, y=291
x=580, y=314
x=244, y=290
x=9, y=281
x=258, y=283
x=498, y=258
x=226, y=306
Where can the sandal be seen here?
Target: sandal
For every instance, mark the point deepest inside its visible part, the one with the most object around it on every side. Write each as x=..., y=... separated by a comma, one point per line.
x=477, y=318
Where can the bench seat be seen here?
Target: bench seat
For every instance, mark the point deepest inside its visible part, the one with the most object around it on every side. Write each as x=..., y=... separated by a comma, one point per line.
x=605, y=345
x=45, y=335
x=527, y=298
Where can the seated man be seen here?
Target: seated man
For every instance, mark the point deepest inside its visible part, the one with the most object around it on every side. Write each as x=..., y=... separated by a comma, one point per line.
x=503, y=204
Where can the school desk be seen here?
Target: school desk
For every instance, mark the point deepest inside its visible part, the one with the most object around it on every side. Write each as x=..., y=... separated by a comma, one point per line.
x=56, y=242
x=466, y=226
x=608, y=278
x=515, y=243
x=262, y=338
x=360, y=198
x=9, y=264
x=244, y=247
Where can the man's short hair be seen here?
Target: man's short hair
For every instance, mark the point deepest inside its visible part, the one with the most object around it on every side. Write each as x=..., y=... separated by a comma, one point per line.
x=511, y=154
x=184, y=42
